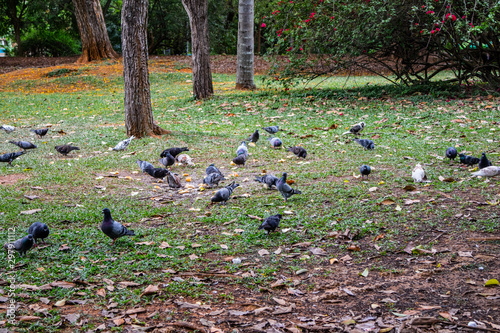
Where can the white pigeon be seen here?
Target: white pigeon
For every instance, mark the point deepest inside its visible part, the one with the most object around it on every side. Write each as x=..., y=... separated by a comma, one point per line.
x=8, y=128
x=184, y=159
x=490, y=171
x=122, y=145
x=356, y=129
x=418, y=174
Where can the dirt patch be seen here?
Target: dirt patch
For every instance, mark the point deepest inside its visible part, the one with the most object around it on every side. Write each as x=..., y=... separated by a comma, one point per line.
x=11, y=179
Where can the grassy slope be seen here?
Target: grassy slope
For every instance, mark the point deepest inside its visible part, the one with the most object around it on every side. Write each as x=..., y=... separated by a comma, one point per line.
x=417, y=126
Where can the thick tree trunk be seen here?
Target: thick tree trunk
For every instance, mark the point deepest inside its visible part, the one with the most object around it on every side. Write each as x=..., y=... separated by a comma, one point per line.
x=15, y=13
x=95, y=39
x=138, y=112
x=244, y=69
x=197, y=11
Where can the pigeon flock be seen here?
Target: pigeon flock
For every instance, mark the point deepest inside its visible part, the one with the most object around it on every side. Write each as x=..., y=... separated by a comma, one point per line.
x=39, y=231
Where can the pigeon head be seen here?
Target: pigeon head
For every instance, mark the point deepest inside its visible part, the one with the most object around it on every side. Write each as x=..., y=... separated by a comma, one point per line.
x=483, y=155
x=45, y=228
x=362, y=124
x=106, y=211
x=284, y=176
x=279, y=216
x=30, y=237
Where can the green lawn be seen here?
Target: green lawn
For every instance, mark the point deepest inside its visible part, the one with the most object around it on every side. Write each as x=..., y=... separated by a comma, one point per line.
x=408, y=127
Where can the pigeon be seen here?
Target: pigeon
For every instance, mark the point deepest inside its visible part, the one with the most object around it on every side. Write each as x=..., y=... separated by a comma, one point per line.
x=158, y=173
x=21, y=245
x=8, y=128
x=418, y=174
x=184, y=159
x=271, y=129
x=122, y=145
x=223, y=194
x=173, y=179
x=65, y=149
x=484, y=162
x=275, y=142
x=173, y=151
x=356, y=129
x=254, y=137
x=23, y=144
x=213, y=169
x=298, y=151
x=9, y=157
x=242, y=149
x=367, y=144
x=167, y=160
x=451, y=153
x=269, y=180
x=490, y=171
x=40, y=132
x=240, y=159
x=145, y=165
x=113, y=229
x=285, y=189
x=469, y=160
x=39, y=230
x=365, y=170
x=271, y=223
x=213, y=179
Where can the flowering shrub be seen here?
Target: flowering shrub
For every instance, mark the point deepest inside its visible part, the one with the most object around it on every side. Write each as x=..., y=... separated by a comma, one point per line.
x=413, y=40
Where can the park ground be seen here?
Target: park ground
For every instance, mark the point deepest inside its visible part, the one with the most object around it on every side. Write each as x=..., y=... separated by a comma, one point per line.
x=379, y=254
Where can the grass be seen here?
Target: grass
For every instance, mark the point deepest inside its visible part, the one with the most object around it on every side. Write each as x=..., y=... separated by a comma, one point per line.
x=408, y=126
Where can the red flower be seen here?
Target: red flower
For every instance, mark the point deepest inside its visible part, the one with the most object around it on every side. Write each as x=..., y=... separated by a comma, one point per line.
x=433, y=31
x=306, y=21
x=430, y=12
x=453, y=18
x=263, y=25
x=421, y=31
x=301, y=49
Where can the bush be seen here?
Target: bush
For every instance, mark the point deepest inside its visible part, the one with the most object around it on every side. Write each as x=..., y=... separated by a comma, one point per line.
x=412, y=40
x=45, y=43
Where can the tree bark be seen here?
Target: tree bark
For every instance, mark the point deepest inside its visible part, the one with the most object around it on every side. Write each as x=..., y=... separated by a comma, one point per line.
x=244, y=69
x=93, y=33
x=138, y=112
x=197, y=11
x=16, y=19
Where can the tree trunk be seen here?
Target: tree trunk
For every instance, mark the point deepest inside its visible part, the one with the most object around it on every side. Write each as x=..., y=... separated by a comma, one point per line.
x=138, y=112
x=93, y=33
x=197, y=11
x=244, y=69
x=15, y=13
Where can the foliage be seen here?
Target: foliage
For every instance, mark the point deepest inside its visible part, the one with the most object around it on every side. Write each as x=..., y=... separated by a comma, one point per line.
x=49, y=44
x=407, y=39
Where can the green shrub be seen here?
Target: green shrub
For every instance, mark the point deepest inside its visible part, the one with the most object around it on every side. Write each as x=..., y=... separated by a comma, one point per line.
x=37, y=43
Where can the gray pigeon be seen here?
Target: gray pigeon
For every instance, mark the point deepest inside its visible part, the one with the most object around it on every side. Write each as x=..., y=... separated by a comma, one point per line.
x=240, y=159
x=158, y=173
x=173, y=179
x=367, y=144
x=356, y=129
x=365, y=170
x=213, y=179
x=9, y=157
x=40, y=132
x=242, y=149
x=213, y=169
x=122, y=145
x=167, y=160
x=451, y=153
x=269, y=180
x=271, y=129
x=271, y=223
x=490, y=171
x=145, y=165
x=173, y=151
x=23, y=144
x=65, y=149
x=113, y=229
x=21, y=245
x=223, y=194
x=8, y=128
x=254, y=137
x=275, y=142
x=298, y=151
x=39, y=230
x=484, y=162
x=285, y=189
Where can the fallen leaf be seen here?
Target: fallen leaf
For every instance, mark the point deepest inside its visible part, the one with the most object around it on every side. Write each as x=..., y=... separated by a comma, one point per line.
x=353, y=247
x=31, y=211
x=388, y=202
x=119, y=321
x=263, y=252
x=365, y=272
x=72, y=317
x=151, y=289
x=145, y=243
x=193, y=256
x=164, y=245
x=279, y=301
x=60, y=303
x=301, y=271
x=195, y=245
x=28, y=318
x=63, y=284
x=409, y=188
x=491, y=283
x=318, y=251
x=101, y=292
